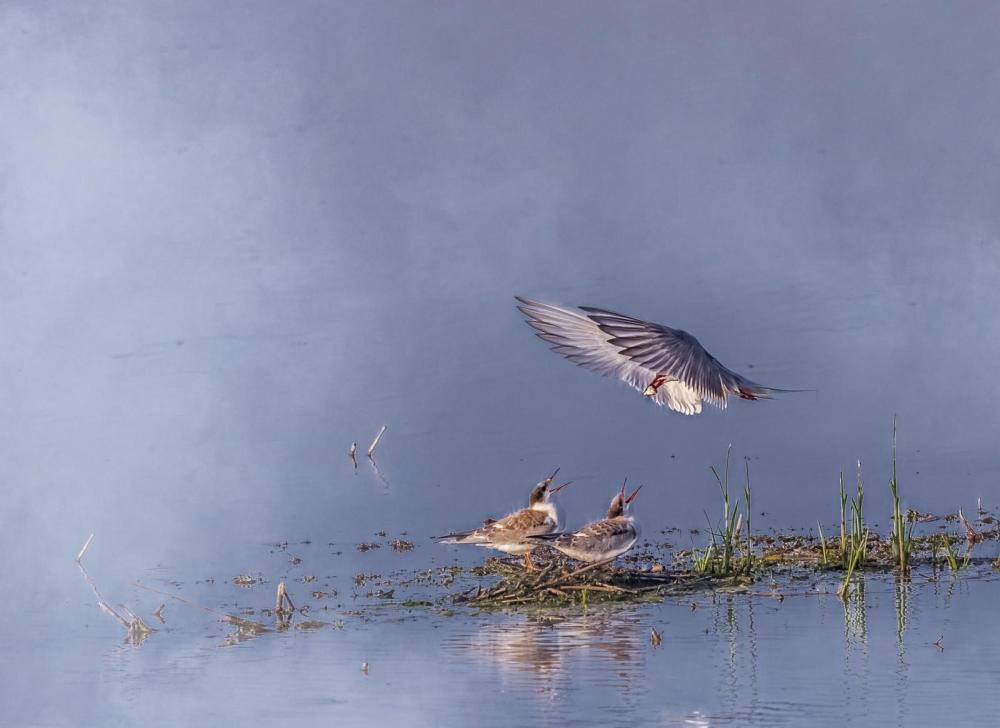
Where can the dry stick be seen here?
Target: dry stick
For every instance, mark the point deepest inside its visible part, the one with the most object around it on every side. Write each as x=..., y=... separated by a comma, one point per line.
x=571, y=575
x=86, y=546
x=136, y=628
x=371, y=448
x=600, y=588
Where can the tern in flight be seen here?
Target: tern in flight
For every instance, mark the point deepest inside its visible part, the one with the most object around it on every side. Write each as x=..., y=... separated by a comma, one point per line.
x=667, y=365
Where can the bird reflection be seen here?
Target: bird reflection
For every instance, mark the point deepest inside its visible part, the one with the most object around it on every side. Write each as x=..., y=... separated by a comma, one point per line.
x=543, y=646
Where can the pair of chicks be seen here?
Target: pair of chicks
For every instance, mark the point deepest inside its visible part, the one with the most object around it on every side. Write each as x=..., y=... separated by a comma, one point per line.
x=542, y=523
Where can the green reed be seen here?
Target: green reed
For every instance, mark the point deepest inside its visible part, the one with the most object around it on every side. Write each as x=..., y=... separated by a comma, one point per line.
x=852, y=564
x=946, y=547
x=721, y=554
x=748, y=498
x=902, y=533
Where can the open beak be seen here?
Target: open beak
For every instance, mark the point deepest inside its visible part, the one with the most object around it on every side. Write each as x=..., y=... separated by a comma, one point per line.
x=548, y=480
x=631, y=497
x=622, y=491
x=557, y=489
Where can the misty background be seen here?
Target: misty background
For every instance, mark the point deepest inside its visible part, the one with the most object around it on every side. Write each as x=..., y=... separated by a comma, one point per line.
x=237, y=236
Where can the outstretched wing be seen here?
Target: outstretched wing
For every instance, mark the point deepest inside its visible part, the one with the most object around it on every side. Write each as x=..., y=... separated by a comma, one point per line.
x=636, y=351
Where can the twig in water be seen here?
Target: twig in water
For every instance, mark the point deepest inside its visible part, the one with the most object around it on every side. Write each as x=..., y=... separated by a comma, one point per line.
x=137, y=630
x=281, y=598
x=159, y=614
x=971, y=535
x=371, y=448
x=654, y=637
x=86, y=546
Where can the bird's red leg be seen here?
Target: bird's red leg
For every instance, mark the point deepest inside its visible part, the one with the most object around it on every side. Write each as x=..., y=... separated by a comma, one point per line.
x=746, y=394
x=655, y=385
x=527, y=561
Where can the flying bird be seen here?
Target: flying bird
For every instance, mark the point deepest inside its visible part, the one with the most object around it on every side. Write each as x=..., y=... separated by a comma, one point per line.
x=601, y=540
x=510, y=534
x=668, y=366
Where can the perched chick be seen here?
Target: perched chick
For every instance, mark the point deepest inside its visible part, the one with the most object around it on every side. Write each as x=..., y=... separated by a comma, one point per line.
x=542, y=517
x=601, y=540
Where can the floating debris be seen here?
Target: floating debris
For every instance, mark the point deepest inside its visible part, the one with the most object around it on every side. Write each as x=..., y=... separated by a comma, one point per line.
x=367, y=546
x=245, y=580
x=399, y=545
x=654, y=637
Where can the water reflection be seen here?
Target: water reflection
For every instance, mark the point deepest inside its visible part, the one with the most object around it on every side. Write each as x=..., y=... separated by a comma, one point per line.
x=856, y=619
x=544, y=646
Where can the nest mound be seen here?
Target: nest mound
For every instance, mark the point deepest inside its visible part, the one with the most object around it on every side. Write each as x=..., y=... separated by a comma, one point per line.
x=561, y=583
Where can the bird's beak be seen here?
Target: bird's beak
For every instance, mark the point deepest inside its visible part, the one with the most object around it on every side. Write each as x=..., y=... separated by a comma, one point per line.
x=548, y=480
x=632, y=497
x=622, y=491
x=557, y=489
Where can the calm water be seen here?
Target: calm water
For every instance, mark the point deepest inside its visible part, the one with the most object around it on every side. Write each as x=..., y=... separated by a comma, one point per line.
x=235, y=240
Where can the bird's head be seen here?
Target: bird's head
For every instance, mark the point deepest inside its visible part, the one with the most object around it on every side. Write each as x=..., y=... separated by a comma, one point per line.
x=620, y=504
x=544, y=492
